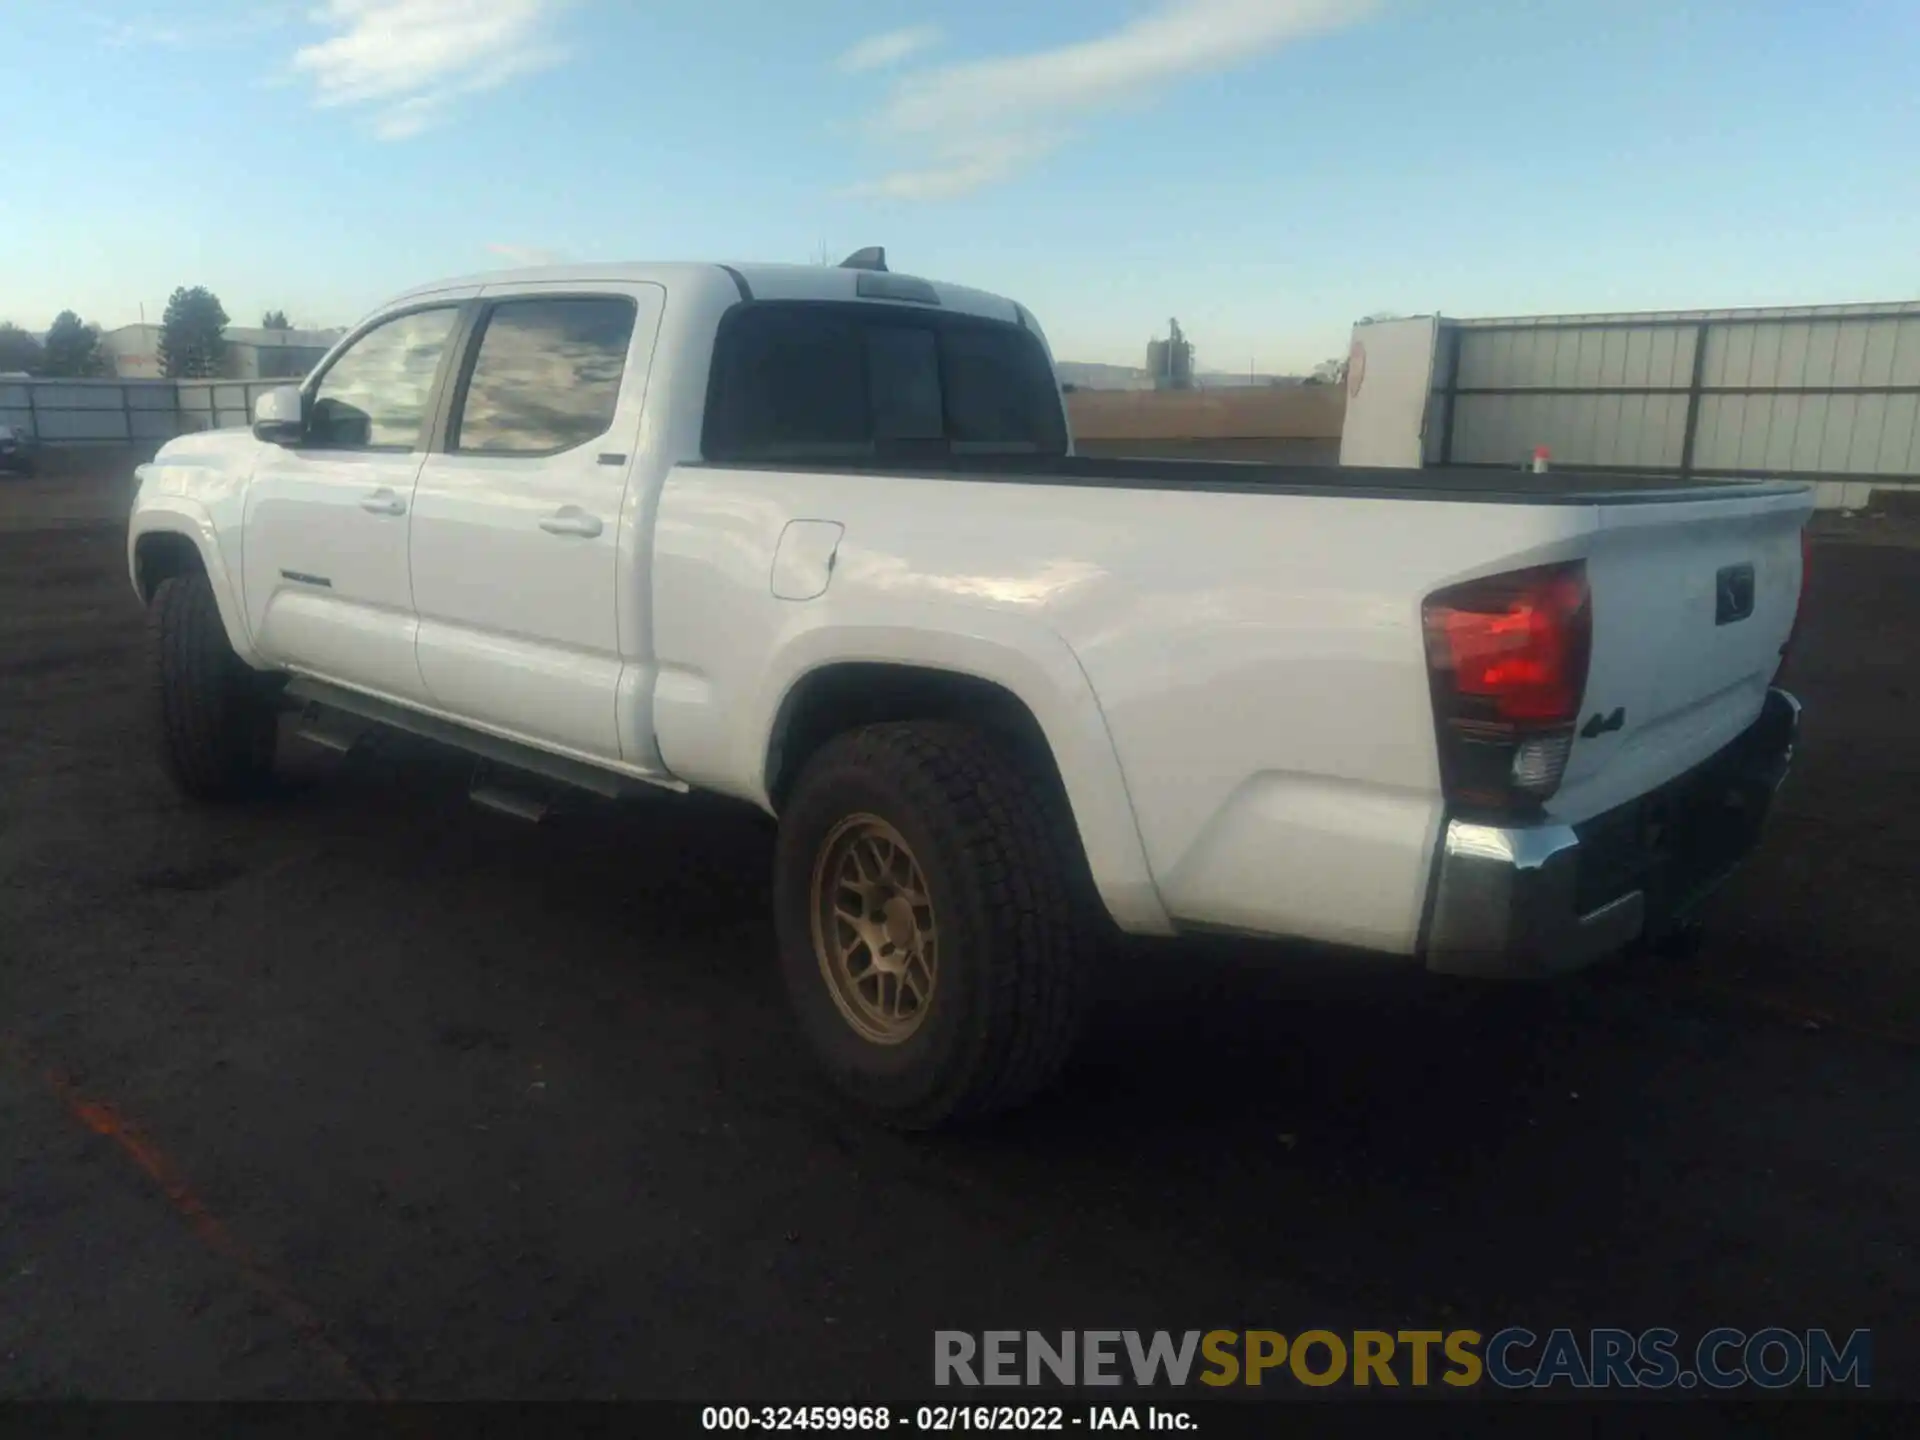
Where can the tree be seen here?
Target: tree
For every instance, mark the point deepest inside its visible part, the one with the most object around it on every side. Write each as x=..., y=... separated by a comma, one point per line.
x=191, y=334
x=1328, y=372
x=19, y=349
x=275, y=320
x=73, y=348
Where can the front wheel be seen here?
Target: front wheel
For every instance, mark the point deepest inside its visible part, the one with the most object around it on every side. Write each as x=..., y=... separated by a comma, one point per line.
x=218, y=720
x=933, y=931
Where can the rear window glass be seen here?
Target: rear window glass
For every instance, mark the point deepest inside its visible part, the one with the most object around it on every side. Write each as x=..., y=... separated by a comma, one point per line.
x=819, y=381
x=547, y=376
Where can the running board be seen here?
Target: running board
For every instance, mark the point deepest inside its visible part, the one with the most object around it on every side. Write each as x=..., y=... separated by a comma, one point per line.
x=326, y=729
x=504, y=801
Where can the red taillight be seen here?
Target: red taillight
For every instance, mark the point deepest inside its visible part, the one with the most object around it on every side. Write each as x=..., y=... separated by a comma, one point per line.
x=1523, y=646
x=1508, y=658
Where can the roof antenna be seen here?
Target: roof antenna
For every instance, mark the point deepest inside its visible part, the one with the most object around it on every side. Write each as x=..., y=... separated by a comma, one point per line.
x=874, y=257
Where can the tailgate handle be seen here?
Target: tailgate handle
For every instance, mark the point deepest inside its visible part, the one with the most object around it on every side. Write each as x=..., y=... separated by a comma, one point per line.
x=1732, y=594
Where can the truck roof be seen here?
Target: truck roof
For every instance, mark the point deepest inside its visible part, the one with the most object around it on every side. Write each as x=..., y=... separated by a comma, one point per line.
x=759, y=282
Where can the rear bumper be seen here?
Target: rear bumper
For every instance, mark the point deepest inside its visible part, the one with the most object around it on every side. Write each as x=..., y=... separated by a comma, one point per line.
x=1540, y=900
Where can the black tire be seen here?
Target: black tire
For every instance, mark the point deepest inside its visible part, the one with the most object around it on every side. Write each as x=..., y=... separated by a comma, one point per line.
x=1675, y=946
x=218, y=718
x=1010, y=898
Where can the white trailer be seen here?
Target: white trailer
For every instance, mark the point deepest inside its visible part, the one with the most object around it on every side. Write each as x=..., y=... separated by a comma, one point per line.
x=1828, y=394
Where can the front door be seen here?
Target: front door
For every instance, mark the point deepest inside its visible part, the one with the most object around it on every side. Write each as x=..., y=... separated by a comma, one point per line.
x=517, y=522
x=325, y=543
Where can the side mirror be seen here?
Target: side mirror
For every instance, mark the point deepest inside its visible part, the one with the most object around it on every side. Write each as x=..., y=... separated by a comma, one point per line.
x=278, y=418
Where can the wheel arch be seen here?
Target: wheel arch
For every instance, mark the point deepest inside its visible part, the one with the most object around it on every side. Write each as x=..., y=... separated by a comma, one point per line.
x=1051, y=719
x=175, y=538
x=159, y=555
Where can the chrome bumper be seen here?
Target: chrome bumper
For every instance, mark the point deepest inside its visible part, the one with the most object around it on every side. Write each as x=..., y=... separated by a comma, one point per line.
x=1531, y=901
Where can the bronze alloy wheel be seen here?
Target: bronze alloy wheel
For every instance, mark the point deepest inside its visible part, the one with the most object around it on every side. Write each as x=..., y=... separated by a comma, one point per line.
x=873, y=929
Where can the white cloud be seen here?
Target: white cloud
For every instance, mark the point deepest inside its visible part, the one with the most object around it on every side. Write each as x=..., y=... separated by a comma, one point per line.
x=167, y=33
x=526, y=254
x=127, y=34
x=982, y=121
x=408, y=60
x=962, y=167
x=877, y=52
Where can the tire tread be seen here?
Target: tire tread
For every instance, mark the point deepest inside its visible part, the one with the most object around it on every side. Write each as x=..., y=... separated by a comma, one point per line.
x=215, y=724
x=1020, y=878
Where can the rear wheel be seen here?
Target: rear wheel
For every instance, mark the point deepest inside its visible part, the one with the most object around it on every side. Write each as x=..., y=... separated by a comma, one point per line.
x=933, y=934
x=217, y=717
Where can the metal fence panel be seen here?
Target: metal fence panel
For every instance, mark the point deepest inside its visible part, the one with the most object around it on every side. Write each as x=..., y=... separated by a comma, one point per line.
x=1834, y=434
x=1807, y=394
x=1905, y=368
x=58, y=411
x=77, y=395
x=1576, y=358
x=1900, y=437
x=152, y=395
x=79, y=423
x=1635, y=430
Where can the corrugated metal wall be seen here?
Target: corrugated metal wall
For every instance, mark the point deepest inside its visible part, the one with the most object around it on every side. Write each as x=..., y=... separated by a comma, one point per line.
x=80, y=411
x=1818, y=393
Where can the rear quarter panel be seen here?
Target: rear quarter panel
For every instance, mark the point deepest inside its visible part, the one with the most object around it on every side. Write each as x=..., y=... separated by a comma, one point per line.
x=1233, y=685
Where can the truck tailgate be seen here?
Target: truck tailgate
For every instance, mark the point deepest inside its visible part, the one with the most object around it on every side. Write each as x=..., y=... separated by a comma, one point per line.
x=1693, y=601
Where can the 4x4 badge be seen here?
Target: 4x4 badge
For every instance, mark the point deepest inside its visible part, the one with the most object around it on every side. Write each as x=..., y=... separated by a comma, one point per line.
x=1597, y=724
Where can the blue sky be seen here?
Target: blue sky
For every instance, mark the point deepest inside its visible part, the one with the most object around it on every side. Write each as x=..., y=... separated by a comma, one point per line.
x=1266, y=170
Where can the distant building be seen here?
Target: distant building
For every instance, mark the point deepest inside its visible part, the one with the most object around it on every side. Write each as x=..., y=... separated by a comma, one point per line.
x=251, y=354
x=1170, y=361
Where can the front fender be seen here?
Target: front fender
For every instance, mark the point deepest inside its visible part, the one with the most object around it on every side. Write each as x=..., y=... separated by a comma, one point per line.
x=1037, y=667
x=189, y=519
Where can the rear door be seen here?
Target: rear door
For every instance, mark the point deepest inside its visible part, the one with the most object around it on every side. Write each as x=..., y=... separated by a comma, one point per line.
x=1692, y=602
x=517, y=528
x=324, y=556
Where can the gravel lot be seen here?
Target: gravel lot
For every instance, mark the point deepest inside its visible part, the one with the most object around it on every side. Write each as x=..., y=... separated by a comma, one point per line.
x=363, y=1091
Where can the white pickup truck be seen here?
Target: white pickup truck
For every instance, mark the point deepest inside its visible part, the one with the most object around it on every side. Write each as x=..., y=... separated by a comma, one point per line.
x=816, y=538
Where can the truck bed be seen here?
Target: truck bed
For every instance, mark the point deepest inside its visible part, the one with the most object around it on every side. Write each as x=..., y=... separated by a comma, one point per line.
x=1477, y=485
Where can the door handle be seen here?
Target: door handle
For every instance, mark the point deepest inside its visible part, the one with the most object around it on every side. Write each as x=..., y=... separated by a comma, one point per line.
x=383, y=502
x=572, y=520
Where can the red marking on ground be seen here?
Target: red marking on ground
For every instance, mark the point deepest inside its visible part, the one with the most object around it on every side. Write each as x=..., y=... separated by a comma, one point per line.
x=108, y=1123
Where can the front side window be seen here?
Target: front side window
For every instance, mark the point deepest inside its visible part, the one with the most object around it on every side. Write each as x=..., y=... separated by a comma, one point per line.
x=809, y=380
x=375, y=395
x=547, y=376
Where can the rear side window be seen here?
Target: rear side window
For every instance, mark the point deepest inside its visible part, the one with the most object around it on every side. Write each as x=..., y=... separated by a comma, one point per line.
x=813, y=381
x=546, y=378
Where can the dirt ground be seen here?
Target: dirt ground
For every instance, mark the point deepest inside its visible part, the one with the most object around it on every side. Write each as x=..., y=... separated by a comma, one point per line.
x=363, y=1091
